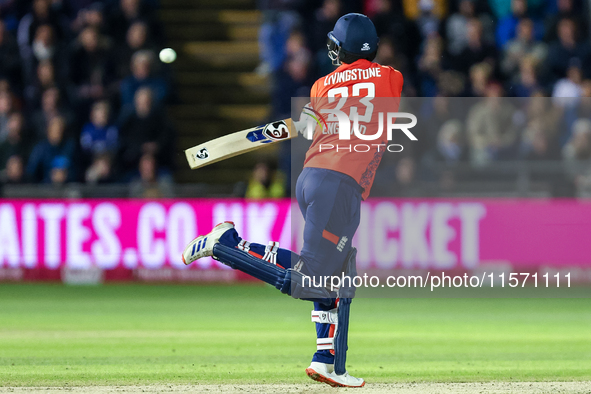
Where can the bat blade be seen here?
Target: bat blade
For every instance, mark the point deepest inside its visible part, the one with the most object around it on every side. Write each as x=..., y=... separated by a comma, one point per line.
x=240, y=142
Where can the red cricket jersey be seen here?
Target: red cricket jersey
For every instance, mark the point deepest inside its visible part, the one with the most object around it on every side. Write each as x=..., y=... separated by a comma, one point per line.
x=368, y=89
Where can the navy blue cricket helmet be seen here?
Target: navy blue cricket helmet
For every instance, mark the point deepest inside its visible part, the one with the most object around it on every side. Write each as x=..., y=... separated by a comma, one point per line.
x=354, y=35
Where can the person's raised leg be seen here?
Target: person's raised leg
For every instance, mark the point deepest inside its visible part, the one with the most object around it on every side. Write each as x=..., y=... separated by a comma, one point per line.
x=270, y=263
x=226, y=234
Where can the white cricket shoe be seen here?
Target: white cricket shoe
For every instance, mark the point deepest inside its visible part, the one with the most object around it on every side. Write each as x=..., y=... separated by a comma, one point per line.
x=324, y=373
x=202, y=246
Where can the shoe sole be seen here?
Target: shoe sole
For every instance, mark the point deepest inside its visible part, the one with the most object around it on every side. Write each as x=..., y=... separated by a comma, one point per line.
x=183, y=255
x=200, y=236
x=323, y=379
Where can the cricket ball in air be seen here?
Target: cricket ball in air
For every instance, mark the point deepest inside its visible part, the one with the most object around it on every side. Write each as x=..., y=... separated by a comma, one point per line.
x=167, y=55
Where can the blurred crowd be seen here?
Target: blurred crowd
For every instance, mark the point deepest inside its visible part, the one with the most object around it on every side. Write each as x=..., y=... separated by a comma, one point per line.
x=478, y=49
x=82, y=93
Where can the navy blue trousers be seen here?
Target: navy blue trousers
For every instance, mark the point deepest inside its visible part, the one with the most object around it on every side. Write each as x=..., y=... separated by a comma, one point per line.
x=330, y=203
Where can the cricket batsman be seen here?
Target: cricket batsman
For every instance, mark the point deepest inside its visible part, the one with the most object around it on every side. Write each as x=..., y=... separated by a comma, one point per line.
x=329, y=191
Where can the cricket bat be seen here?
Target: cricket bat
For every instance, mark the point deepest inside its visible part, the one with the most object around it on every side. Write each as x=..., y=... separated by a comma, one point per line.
x=240, y=142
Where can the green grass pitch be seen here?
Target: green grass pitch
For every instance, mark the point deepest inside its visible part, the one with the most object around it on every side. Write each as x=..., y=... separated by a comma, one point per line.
x=54, y=335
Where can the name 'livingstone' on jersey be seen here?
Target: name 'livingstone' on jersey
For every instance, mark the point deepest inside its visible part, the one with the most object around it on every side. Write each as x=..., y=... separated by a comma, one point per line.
x=352, y=75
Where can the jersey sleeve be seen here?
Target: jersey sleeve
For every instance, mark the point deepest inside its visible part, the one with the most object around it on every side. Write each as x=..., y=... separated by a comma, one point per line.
x=397, y=81
x=314, y=90
x=314, y=95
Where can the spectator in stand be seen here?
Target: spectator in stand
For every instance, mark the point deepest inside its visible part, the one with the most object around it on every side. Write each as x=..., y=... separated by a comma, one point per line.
x=412, y=8
x=476, y=51
x=15, y=142
x=526, y=82
x=4, y=85
x=44, y=79
x=427, y=21
x=278, y=22
x=151, y=182
x=292, y=80
x=440, y=111
x=100, y=170
x=297, y=53
x=14, y=172
x=91, y=15
x=567, y=91
x=265, y=182
x=137, y=39
x=492, y=133
x=316, y=32
x=581, y=110
x=143, y=76
x=56, y=144
x=90, y=68
x=51, y=107
x=537, y=145
x=507, y=26
x=480, y=75
x=45, y=48
x=451, y=84
x=41, y=14
x=404, y=33
x=144, y=131
x=450, y=143
x=6, y=106
x=60, y=168
x=566, y=9
x=542, y=118
x=449, y=146
x=578, y=151
x=324, y=19
x=10, y=62
x=99, y=136
x=404, y=175
x=456, y=27
x=521, y=46
x=578, y=147
x=130, y=11
x=430, y=67
x=73, y=8
x=450, y=149
x=383, y=13
x=562, y=52
x=544, y=115
x=386, y=55
x=9, y=14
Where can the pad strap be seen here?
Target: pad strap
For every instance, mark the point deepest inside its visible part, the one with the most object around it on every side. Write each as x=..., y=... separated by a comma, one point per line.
x=328, y=317
x=325, y=343
x=244, y=245
x=271, y=252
